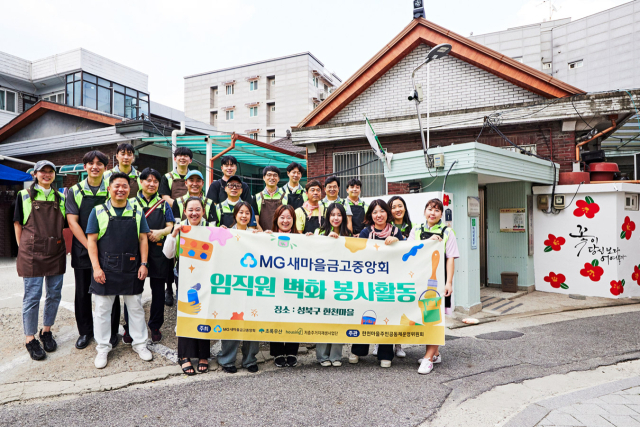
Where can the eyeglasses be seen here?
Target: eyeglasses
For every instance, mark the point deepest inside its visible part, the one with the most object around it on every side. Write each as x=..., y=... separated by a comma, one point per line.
x=234, y=186
x=272, y=175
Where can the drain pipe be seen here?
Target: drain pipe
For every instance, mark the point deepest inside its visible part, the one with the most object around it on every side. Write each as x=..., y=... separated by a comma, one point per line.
x=13, y=159
x=222, y=153
x=174, y=143
x=613, y=126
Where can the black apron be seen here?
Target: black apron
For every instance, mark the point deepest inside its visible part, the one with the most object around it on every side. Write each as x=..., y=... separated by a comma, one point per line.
x=118, y=253
x=296, y=200
x=158, y=263
x=79, y=254
x=226, y=218
x=312, y=222
x=357, y=218
x=425, y=235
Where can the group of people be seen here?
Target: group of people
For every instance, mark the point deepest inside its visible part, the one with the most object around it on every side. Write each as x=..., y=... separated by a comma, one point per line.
x=126, y=227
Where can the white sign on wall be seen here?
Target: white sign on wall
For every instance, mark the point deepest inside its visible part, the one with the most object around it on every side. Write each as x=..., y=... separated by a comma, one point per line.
x=512, y=220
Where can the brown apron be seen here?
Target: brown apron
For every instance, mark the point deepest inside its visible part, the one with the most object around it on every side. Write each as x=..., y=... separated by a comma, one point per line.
x=134, y=187
x=42, y=249
x=268, y=210
x=178, y=188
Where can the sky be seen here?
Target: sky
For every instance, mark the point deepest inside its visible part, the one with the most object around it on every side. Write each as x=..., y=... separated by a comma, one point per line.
x=168, y=39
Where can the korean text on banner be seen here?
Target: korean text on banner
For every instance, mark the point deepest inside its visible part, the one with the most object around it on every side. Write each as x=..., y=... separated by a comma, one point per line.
x=293, y=288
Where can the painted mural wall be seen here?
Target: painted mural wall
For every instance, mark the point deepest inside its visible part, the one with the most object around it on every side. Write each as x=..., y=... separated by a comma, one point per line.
x=591, y=248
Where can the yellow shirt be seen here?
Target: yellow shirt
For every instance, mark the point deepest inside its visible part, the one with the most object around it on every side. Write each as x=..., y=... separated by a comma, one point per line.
x=302, y=213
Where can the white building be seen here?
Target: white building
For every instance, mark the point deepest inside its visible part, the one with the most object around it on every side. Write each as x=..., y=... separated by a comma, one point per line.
x=596, y=53
x=262, y=99
x=77, y=78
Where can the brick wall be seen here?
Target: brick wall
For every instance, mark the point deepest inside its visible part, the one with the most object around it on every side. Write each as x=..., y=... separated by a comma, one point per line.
x=546, y=136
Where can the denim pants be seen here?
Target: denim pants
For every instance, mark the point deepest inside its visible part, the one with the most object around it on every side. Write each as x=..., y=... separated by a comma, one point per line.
x=331, y=352
x=227, y=355
x=31, y=301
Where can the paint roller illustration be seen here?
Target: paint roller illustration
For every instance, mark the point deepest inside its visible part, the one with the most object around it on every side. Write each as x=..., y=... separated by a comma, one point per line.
x=195, y=249
x=369, y=317
x=430, y=301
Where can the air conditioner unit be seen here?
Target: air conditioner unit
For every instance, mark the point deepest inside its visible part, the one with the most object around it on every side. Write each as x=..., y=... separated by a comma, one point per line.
x=321, y=96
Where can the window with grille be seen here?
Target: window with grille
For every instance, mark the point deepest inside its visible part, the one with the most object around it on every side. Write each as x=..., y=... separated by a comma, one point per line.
x=371, y=175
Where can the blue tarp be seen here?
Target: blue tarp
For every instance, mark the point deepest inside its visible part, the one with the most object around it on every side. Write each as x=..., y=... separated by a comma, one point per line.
x=13, y=176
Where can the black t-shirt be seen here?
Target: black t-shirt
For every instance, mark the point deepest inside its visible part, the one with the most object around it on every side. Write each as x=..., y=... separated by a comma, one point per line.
x=364, y=234
x=218, y=195
x=164, y=189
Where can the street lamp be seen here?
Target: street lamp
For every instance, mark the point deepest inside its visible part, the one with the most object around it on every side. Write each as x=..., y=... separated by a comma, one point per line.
x=416, y=95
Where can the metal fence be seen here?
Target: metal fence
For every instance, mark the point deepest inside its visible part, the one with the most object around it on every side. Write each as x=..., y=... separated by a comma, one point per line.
x=371, y=175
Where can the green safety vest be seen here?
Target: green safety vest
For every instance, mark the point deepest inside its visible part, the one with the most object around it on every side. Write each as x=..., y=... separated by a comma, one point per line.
x=224, y=208
x=208, y=203
x=439, y=229
x=82, y=189
x=26, y=201
x=278, y=195
x=103, y=218
x=134, y=174
x=142, y=201
x=171, y=176
x=288, y=191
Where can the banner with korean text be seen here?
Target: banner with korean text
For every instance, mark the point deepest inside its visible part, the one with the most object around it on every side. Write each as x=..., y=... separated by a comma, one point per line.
x=281, y=287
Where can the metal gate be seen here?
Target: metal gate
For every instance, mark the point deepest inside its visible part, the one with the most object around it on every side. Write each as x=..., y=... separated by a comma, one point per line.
x=371, y=175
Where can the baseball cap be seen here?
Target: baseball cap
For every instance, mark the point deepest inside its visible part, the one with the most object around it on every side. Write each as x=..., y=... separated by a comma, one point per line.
x=234, y=178
x=194, y=173
x=43, y=163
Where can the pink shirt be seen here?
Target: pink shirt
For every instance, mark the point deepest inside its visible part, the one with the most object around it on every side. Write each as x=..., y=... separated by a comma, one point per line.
x=452, y=245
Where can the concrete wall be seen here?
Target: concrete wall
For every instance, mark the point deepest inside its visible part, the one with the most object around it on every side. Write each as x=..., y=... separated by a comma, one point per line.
x=53, y=123
x=292, y=95
x=455, y=85
x=507, y=251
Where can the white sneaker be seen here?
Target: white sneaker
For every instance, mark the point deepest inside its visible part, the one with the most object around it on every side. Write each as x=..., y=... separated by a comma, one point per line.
x=325, y=363
x=143, y=352
x=399, y=351
x=436, y=359
x=353, y=358
x=425, y=367
x=375, y=350
x=101, y=360
x=385, y=363
x=336, y=363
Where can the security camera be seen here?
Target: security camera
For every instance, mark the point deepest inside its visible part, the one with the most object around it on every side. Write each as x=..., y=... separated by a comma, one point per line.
x=412, y=94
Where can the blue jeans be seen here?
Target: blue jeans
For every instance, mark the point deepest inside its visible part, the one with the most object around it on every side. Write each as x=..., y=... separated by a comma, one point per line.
x=31, y=301
x=227, y=355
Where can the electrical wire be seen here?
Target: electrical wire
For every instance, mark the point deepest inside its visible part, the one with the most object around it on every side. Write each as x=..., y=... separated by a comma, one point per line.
x=579, y=115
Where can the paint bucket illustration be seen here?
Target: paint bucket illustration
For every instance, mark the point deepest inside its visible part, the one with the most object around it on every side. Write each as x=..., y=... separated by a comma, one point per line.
x=192, y=296
x=429, y=303
x=283, y=241
x=369, y=317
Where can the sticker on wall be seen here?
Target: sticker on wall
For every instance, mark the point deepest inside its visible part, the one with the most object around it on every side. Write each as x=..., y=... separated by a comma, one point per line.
x=592, y=271
x=635, y=276
x=446, y=200
x=553, y=243
x=586, y=207
x=628, y=227
x=617, y=287
x=556, y=280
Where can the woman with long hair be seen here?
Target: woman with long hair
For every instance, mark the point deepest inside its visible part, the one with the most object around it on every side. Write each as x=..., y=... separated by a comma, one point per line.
x=189, y=348
x=284, y=353
x=330, y=354
x=379, y=226
x=400, y=215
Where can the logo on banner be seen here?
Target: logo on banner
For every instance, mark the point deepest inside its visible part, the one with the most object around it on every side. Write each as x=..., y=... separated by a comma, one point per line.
x=248, y=260
x=217, y=329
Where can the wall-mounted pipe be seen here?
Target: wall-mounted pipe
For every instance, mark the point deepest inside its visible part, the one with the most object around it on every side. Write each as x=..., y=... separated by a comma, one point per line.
x=222, y=153
x=174, y=143
x=613, y=126
x=13, y=159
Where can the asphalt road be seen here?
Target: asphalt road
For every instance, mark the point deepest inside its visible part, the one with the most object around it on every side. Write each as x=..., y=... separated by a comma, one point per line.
x=353, y=395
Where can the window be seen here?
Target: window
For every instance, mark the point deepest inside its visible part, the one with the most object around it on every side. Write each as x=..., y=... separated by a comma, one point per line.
x=371, y=175
x=253, y=85
x=314, y=81
x=230, y=89
x=8, y=101
x=90, y=95
x=273, y=108
x=55, y=97
x=575, y=64
x=28, y=101
x=546, y=65
x=273, y=82
x=253, y=135
x=326, y=88
x=253, y=112
x=272, y=134
x=518, y=58
x=130, y=107
x=229, y=114
x=631, y=202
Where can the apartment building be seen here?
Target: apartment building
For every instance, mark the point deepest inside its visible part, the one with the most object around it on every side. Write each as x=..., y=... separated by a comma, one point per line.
x=262, y=99
x=77, y=78
x=595, y=53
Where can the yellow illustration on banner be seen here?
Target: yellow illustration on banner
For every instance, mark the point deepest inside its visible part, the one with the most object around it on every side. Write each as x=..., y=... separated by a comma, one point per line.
x=297, y=288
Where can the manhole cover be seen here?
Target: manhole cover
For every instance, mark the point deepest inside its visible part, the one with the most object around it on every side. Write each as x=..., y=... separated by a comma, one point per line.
x=450, y=338
x=500, y=336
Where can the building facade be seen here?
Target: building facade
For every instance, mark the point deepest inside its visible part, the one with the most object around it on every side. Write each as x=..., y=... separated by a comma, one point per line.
x=595, y=53
x=77, y=78
x=262, y=99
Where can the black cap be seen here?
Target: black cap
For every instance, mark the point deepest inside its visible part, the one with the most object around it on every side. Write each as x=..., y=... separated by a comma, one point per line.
x=234, y=178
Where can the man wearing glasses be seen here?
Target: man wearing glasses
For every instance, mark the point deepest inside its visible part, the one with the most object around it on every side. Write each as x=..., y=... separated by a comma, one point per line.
x=266, y=202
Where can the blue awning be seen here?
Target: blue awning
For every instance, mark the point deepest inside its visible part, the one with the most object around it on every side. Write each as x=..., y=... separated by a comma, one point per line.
x=13, y=176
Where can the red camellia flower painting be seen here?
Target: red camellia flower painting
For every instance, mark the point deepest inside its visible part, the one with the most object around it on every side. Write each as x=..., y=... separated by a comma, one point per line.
x=617, y=287
x=446, y=200
x=628, y=227
x=556, y=280
x=592, y=271
x=635, y=276
x=586, y=207
x=553, y=243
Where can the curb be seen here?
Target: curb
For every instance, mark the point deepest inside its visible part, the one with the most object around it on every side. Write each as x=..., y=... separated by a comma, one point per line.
x=536, y=412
